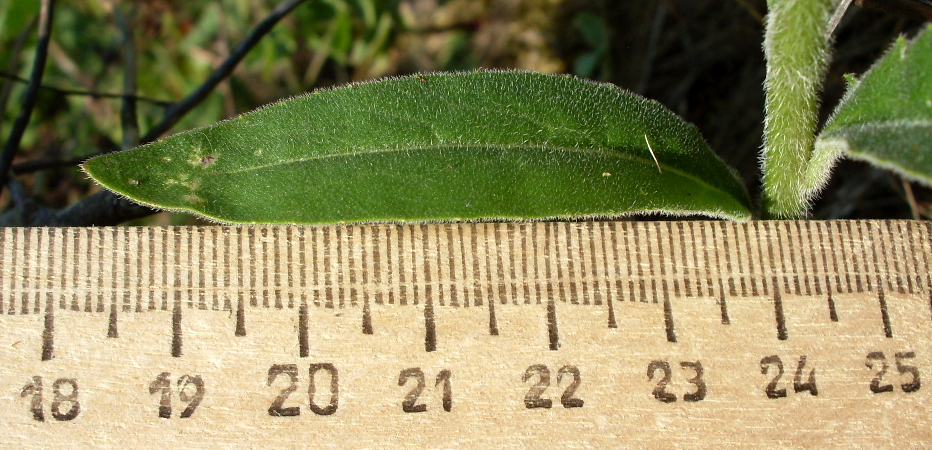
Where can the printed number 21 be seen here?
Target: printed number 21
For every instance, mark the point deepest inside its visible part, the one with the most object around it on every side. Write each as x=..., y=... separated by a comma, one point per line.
x=410, y=404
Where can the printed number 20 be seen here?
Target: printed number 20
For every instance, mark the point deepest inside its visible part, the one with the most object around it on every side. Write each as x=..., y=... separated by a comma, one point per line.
x=277, y=409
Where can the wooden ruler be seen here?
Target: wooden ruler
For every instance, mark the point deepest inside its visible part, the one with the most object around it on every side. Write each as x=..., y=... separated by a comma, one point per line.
x=539, y=334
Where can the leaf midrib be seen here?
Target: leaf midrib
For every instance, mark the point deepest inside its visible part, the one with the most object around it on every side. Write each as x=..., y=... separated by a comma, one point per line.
x=596, y=151
x=910, y=123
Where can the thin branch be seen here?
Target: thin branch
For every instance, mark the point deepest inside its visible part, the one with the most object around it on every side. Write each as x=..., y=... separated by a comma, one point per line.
x=652, y=44
x=910, y=198
x=757, y=15
x=47, y=163
x=177, y=111
x=18, y=194
x=107, y=208
x=32, y=91
x=24, y=209
x=91, y=94
x=14, y=61
x=101, y=209
x=128, y=119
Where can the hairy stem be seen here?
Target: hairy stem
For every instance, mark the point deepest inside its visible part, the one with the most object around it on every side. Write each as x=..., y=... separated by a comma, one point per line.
x=796, y=47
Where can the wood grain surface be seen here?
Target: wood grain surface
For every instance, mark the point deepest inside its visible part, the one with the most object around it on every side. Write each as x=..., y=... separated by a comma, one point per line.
x=642, y=334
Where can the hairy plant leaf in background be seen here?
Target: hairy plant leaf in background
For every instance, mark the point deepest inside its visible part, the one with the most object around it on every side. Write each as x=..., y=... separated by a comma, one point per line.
x=885, y=117
x=465, y=146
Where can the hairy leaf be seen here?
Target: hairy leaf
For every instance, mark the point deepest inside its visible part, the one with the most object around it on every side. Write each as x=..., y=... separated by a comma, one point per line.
x=465, y=146
x=886, y=117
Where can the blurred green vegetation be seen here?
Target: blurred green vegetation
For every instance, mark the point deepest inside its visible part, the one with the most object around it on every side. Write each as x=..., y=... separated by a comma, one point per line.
x=178, y=44
x=700, y=58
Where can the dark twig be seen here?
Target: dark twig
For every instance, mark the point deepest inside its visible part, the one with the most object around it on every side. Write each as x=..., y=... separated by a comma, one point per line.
x=107, y=208
x=14, y=61
x=92, y=94
x=25, y=210
x=101, y=209
x=910, y=198
x=178, y=110
x=175, y=112
x=752, y=10
x=48, y=163
x=32, y=91
x=128, y=118
x=651, y=53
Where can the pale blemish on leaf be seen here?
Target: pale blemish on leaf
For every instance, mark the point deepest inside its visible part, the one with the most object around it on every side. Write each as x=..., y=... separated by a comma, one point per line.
x=184, y=180
x=200, y=158
x=206, y=161
x=193, y=199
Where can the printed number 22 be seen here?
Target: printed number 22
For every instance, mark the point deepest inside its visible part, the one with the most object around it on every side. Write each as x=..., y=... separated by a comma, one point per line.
x=532, y=399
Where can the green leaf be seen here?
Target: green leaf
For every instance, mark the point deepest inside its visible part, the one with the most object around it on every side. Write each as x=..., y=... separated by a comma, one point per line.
x=16, y=14
x=886, y=117
x=592, y=29
x=465, y=146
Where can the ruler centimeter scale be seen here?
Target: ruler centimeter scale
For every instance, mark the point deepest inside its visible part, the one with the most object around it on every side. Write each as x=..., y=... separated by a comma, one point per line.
x=640, y=333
